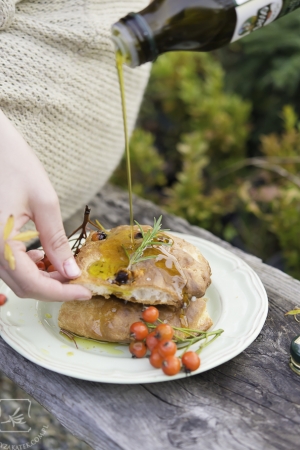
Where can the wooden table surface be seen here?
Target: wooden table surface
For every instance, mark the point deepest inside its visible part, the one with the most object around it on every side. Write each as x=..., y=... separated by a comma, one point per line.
x=250, y=402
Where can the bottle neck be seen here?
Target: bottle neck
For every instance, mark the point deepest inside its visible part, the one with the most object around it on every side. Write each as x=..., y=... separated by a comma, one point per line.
x=134, y=39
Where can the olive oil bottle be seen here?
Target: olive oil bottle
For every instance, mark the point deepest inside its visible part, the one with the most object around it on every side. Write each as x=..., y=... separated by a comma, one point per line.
x=195, y=25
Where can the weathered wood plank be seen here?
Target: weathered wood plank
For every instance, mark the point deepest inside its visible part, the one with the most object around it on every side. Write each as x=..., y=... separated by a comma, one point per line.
x=250, y=402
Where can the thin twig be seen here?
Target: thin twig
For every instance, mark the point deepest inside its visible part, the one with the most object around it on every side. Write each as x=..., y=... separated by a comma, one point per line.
x=69, y=335
x=83, y=228
x=263, y=164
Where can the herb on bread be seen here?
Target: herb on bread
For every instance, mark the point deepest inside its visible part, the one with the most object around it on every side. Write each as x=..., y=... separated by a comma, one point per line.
x=150, y=238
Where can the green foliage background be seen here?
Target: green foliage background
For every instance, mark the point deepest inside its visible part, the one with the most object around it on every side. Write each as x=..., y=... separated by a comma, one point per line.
x=218, y=141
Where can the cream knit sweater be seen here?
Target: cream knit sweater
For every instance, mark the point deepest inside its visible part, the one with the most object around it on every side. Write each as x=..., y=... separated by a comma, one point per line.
x=58, y=85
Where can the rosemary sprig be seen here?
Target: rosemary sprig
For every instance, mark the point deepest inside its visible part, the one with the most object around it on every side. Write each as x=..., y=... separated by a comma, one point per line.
x=198, y=338
x=182, y=343
x=192, y=336
x=149, y=239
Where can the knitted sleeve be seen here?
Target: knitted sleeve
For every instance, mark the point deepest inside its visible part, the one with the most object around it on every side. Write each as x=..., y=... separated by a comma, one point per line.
x=59, y=86
x=7, y=12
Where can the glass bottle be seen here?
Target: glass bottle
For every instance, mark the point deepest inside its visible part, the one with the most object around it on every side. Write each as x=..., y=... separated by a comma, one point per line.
x=295, y=355
x=196, y=25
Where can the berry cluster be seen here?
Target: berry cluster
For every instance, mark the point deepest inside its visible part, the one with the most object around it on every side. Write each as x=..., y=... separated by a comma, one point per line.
x=46, y=265
x=161, y=345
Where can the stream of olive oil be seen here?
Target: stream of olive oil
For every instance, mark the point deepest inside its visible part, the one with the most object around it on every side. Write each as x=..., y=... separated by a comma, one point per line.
x=119, y=63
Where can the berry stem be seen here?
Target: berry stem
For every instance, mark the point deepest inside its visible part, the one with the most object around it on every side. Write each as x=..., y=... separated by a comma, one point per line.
x=82, y=228
x=208, y=342
x=192, y=339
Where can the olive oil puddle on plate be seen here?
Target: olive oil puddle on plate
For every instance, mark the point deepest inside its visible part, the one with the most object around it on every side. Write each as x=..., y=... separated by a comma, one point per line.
x=91, y=344
x=48, y=315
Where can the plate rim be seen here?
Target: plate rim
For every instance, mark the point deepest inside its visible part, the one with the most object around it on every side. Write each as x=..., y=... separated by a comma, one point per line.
x=157, y=376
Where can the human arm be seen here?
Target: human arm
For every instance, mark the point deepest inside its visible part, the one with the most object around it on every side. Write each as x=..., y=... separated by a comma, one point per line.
x=26, y=193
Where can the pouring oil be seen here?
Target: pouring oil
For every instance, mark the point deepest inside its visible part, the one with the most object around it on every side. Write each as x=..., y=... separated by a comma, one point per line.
x=120, y=60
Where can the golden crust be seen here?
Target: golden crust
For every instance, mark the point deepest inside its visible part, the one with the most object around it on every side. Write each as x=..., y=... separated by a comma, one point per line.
x=110, y=319
x=179, y=272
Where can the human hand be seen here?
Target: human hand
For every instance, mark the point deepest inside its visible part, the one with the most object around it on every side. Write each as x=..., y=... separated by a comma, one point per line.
x=26, y=193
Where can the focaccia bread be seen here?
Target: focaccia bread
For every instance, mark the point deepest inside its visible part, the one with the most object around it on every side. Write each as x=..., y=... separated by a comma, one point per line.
x=177, y=272
x=110, y=319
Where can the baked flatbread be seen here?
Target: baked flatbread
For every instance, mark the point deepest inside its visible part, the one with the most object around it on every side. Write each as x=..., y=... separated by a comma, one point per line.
x=176, y=274
x=110, y=319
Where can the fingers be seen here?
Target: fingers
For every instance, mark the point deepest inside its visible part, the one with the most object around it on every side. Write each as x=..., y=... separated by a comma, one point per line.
x=36, y=255
x=29, y=282
x=26, y=193
x=55, y=276
x=48, y=222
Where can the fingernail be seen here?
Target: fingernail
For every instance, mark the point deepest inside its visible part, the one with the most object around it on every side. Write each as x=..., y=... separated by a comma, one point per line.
x=88, y=297
x=39, y=253
x=71, y=268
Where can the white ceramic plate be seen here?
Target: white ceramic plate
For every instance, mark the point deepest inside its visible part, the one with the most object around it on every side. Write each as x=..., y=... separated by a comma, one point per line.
x=237, y=303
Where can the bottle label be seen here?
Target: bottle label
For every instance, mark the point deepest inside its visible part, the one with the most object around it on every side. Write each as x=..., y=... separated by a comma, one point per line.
x=254, y=14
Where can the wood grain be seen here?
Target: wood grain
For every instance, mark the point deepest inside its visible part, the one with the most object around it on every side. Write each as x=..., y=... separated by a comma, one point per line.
x=251, y=402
